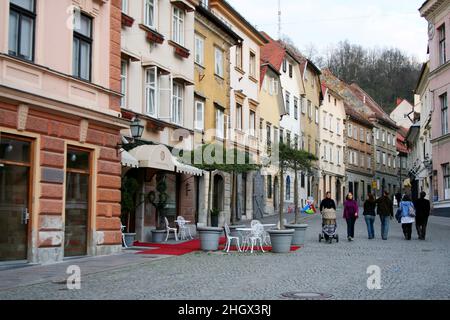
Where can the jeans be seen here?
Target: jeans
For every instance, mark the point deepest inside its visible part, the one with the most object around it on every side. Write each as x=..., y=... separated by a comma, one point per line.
x=421, y=226
x=370, y=230
x=407, y=230
x=351, y=227
x=384, y=226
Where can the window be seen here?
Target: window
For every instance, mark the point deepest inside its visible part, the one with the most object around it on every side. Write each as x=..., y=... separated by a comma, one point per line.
x=178, y=26
x=383, y=136
x=369, y=162
x=261, y=124
x=338, y=126
x=252, y=64
x=377, y=133
x=82, y=47
x=355, y=133
x=296, y=141
x=218, y=69
x=361, y=134
x=394, y=162
x=378, y=156
x=269, y=187
x=177, y=103
x=204, y=3
x=238, y=116
x=389, y=161
x=288, y=104
x=329, y=99
x=288, y=188
x=150, y=13
x=239, y=56
x=309, y=110
x=303, y=105
x=151, y=84
x=268, y=136
x=199, y=115
x=317, y=115
x=350, y=130
x=338, y=156
x=21, y=29
x=281, y=135
x=442, y=46
x=290, y=70
x=335, y=101
x=325, y=155
x=362, y=161
x=252, y=124
x=331, y=123
x=288, y=138
x=324, y=122
x=199, y=50
x=384, y=158
x=444, y=113
x=303, y=141
x=446, y=174
x=356, y=155
x=331, y=154
x=273, y=87
x=125, y=6
x=284, y=65
x=220, y=124
x=123, y=83
x=302, y=180
x=295, y=108
x=389, y=138
x=368, y=140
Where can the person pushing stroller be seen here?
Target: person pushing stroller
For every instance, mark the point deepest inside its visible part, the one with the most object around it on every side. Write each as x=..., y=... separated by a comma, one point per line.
x=329, y=226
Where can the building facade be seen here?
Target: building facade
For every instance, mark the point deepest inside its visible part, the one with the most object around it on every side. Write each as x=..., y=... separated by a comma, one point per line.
x=437, y=13
x=213, y=40
x=242, y=121
x=59, y=129
x=158, y=88
x=332, y=165
x=405, y=114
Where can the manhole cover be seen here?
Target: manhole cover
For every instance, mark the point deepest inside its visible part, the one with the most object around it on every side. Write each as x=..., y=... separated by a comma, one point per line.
x=306, y=295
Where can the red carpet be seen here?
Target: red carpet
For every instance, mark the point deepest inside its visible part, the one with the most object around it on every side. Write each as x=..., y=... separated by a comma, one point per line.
x=186, y=247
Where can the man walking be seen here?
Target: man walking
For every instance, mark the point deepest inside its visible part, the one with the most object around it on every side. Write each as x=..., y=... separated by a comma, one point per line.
x=385, y=209
x=422, y=206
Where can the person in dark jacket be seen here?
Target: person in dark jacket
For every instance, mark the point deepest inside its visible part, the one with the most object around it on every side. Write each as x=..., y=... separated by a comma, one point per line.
x=350, y=215
x=327, y=203
x=422, y=206
x=328, y=211
x=385, y=209
x=369, y=214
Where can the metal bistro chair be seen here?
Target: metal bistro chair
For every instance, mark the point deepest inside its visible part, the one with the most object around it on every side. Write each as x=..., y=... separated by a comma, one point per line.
x=230, y=239
x=246, y=242
x=169, y=229
x=184, y=229
x=257, y=235
x=122, y=227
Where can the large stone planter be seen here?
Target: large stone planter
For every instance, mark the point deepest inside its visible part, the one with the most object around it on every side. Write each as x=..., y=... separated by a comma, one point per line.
x=209, y=238
x=129, y=239
x=298, y=238
x=281, y=240
x=158, y=236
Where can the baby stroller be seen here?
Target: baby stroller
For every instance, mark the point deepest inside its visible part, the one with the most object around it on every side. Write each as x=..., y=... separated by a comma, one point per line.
x=329, y=226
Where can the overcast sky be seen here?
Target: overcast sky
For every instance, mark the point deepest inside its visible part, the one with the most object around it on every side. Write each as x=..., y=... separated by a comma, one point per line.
x=370, y=23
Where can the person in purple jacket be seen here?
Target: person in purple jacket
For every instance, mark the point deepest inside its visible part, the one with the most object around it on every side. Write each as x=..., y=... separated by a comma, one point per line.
x=350, y=214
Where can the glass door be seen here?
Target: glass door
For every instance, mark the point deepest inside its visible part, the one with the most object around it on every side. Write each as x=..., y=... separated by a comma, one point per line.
x=15, y=164
x=77, y=203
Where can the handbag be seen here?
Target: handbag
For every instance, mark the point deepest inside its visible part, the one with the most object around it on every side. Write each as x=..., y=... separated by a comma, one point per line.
x=412, y=211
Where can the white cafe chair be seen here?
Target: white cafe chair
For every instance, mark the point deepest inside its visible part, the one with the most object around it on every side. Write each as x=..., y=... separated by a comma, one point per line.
x=230, y=239
x=169, y=229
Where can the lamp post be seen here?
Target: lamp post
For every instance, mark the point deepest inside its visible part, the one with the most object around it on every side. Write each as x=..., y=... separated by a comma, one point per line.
x=136, y=128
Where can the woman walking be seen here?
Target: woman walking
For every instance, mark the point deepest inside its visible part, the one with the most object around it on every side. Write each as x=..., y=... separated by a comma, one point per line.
x=328, y=210
x=350, y=215
x=369, y=214
x=408, y=213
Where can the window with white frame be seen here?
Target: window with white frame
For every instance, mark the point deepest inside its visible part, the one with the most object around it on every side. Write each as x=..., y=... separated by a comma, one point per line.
x=239, y=56
x=446, y=175
x=377, y=133
x=325, y=156
x=444, y=113
x=218, y=69
x=384, y=158
x=350, y=130
x=252, y=62
x=361, y=134
x=356, y=158
x=123, y=82
x=288, y=102
x=177, y=103
x=220, y=124
x=178, y=26
x=362, y=160
x=199, y=50
x=355, y=133
x=389, y=161
x=151, y=97
x=317, y=115
x=252, y=123
x=442, y=45
x=125, y=6
x=369, y=162
x=199, y=115
x=309, y=109
x=303, y=105
x=338, y=156
x=368, y=137
x=150, y=13
x=389, y=138
x=331, y=154
x=238, y=116
x=338, y=126
x=331, y=123
x=378, y=156
x=383, y=136
x=295, y=108
x=394, y=162
x=325, y=116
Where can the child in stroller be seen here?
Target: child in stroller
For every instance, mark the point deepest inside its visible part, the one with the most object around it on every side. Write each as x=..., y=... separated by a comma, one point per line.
x=329, y=226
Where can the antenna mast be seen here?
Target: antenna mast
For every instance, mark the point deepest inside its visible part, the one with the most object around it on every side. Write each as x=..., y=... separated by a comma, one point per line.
x=279, y=19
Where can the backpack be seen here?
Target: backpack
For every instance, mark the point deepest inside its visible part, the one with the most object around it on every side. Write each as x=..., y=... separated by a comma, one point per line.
x=412, y=211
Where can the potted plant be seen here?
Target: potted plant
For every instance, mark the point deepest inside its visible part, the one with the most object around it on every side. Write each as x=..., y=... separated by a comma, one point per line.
x=129, y=189
x=282, y=239
x=215, y=217
x=158, y=199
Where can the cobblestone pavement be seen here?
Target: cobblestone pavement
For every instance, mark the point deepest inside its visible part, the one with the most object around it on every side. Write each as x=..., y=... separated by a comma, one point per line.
x=409, y=270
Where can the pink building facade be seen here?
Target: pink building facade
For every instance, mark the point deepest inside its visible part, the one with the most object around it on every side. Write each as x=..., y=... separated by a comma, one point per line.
x=437, y=13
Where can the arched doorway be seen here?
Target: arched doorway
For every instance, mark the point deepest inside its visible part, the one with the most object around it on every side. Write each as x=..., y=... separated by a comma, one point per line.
x=218, y=190
x=276, y=194
x=338, y=192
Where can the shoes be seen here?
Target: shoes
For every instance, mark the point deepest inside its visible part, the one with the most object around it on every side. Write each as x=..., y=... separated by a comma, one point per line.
x=350, y=239
x=384, y=238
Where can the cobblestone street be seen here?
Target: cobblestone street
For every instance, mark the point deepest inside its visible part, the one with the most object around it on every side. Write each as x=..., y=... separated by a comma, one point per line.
x=409, y=270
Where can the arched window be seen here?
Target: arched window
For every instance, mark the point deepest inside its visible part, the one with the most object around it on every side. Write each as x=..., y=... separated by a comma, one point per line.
x=288, y=188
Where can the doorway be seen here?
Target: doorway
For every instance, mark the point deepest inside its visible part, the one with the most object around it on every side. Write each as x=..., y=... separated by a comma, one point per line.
x=15, y=184
x=338, y=192
x=77, y=202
